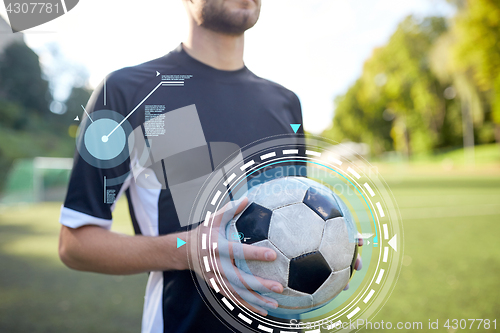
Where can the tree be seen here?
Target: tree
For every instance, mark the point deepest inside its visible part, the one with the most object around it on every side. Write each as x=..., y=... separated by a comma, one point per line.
x=397, y=103
x=21, y=80
x=27, y=127
x=476, y=51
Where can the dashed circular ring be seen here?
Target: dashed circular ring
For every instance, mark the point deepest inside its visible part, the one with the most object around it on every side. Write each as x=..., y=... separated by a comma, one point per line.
x=381, y=224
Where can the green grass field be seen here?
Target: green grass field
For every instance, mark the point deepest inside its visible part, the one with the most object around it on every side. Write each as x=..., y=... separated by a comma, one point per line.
x=39, y=294
x=451, y=267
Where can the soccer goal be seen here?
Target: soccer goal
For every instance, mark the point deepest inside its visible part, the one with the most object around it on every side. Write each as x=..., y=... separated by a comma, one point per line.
x=36, y=180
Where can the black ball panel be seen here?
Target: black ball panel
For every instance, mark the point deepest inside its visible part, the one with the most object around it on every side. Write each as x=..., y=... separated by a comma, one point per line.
x=354, y=257
x=322, y=204
x=308, y=272
x=254, y=223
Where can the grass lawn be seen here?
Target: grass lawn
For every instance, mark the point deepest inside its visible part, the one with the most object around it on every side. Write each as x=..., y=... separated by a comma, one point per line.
x=451, y=264
x=39, y=294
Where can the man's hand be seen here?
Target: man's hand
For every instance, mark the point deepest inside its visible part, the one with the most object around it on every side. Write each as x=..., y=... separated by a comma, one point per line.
x=359, y=262
x=243, y=286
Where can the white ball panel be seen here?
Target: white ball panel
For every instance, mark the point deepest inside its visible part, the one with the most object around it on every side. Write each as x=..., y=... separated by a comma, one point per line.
x=332, y=287
x=276, y=270
x=335, y=245
x=296, y=230
x=280, y=192
x=317, y=186
x=292, y=299
x=351, y=228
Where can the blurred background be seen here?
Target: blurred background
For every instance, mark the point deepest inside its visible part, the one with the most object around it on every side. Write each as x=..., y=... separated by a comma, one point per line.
x=413, y=86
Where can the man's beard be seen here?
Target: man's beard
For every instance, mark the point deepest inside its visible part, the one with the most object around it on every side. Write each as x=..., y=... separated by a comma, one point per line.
x=221, y=20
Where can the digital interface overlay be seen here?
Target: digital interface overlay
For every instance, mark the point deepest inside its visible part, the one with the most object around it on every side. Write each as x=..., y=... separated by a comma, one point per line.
x=211, y=174
x=370, y=202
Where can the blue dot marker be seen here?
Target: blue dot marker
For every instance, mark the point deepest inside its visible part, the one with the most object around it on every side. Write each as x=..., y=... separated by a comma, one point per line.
x=295, y=127
x=180, y=242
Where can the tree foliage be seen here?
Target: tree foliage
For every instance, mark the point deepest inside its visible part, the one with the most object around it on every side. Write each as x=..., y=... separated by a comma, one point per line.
x=412, y=92
x=27, y=126
x=477, y=51
x=21, y=80
x=398, y=102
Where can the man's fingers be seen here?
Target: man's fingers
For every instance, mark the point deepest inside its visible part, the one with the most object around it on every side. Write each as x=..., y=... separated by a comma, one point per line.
x=255, y=308
x=226, y=213
x=240, y=279
x=234, y=294
x=250, y=297
x=236, y=250
x=257, y=283
x=360, y=240
x=241, y=206
x=359, y=263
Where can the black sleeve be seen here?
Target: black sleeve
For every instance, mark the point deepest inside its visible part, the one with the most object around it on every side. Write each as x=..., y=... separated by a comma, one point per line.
x=300, y=167
x=88, y=200
x=297, y=113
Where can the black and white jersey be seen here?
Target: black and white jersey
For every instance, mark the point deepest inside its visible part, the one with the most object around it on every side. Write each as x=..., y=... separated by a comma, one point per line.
x=233, y=106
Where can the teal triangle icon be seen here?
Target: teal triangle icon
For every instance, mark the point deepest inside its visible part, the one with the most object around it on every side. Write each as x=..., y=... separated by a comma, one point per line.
x=295, y=127
x=180, y=242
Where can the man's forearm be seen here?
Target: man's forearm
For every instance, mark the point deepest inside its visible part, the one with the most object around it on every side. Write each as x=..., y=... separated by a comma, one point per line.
x=94, y=249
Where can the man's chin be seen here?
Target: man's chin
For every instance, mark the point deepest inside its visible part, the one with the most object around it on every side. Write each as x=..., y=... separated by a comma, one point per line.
x=244, y=7
x=250, y=4
x=234, y=17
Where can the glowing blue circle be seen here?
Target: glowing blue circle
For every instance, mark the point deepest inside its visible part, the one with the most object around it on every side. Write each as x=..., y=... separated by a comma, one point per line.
x=100, y=144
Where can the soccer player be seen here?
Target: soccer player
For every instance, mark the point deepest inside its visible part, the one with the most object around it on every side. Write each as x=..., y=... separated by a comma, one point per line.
x=233, y=104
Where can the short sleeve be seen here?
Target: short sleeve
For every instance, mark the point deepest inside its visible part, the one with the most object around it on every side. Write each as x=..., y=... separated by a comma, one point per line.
x=92, y=190
x=297, y=112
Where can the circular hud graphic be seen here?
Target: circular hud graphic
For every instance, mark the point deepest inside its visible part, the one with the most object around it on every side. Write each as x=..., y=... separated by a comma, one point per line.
x=360, y=188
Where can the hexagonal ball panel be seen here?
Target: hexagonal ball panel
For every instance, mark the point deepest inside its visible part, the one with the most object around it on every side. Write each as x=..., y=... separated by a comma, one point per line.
x=346, y=213
x=312, y=183
x=308, y=272
x=280, y=192
x=336, y=247
x=254, y=223
x=295, y=230
x=322, y=203
x=276, y=270
x=335, y=283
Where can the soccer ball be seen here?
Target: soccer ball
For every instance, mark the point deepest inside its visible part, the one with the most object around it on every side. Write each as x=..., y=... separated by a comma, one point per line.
x=312, y=232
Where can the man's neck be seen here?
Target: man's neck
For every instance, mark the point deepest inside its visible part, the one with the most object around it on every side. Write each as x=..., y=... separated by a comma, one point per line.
x=217, y=50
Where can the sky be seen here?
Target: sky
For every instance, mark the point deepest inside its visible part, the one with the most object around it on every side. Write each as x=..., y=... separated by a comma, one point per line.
x=316, y=48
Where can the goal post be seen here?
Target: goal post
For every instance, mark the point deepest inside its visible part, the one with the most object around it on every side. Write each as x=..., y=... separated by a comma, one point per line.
x=36, y=180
